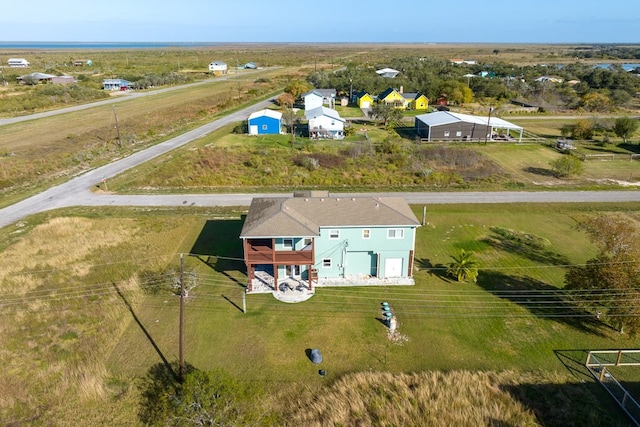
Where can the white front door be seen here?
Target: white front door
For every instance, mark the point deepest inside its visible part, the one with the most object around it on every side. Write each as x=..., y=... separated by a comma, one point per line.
x=293, y=271
x=393, y=267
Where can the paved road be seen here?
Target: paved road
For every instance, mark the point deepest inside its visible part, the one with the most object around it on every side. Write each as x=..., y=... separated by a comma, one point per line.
x=76, y=192
x=119, y=98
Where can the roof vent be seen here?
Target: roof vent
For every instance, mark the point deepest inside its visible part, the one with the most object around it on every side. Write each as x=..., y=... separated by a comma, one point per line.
x=322, y=200
x=337, y=199
x=353, y=199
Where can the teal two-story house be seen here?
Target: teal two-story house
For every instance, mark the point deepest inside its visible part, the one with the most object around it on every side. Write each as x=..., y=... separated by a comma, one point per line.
x=318, y=238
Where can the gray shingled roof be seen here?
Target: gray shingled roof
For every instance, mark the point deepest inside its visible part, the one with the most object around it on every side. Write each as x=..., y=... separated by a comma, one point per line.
x=304, y=216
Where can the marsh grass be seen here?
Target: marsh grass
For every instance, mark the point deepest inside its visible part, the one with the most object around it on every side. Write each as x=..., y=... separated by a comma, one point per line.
x=226, y=162
x=453, y=398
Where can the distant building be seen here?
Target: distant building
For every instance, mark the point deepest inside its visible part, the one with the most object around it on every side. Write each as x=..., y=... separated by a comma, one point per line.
x=449, y=126
x=363, y=99
x=460, y=61
x=218, y=68
x=319, y=97
x=550, y=79
x=116, y=84
x=35, y=78
x=18, y=63
x=388, y=73
x=265, y=122
x=325, y=123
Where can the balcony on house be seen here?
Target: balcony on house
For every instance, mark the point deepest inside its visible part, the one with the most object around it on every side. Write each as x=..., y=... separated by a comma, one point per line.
x=263, y=251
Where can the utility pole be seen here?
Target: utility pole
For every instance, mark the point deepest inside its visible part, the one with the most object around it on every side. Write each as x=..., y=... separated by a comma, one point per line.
x=115, y=116
x=350, y=90
x=181, y=327
x=488, y=124
x=4, y=82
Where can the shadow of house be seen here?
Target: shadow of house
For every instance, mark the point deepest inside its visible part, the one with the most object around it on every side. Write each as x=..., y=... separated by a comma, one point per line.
x=533, y=252
x=408, y=133
x=218, y=245
x=541, y=300
x=438, y=270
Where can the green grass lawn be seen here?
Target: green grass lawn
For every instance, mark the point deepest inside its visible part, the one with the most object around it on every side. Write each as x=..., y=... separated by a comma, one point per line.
x=448, y=325
x=84, y=312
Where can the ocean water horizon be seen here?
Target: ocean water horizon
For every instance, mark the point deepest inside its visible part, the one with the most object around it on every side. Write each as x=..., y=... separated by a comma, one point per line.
x=99, y=45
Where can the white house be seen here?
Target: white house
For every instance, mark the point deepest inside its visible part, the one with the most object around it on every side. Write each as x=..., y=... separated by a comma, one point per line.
x=218, y=67
x=388, y=72
x=312, y=99
x=318, y=97
x=18, y=63
x=325, y=123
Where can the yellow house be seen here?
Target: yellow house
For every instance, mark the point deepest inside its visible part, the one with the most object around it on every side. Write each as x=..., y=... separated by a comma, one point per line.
x=416, y=101
x=394, y=98
x=363, y=99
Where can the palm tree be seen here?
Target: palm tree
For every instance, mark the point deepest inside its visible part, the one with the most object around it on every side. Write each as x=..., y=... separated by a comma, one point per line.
x=463, y=267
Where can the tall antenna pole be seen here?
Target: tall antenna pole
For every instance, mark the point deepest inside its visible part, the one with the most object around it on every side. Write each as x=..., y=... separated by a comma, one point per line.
x=181, y=327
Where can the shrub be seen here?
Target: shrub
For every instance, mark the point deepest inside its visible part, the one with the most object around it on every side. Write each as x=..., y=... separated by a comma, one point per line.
x=567, y=166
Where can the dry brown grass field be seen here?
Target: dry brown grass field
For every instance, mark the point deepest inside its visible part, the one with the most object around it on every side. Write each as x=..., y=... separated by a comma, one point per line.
x=40, y=152
x=441, y=399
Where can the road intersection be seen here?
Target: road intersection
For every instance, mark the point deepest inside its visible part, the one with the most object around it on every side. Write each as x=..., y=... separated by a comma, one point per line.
x=77, y=191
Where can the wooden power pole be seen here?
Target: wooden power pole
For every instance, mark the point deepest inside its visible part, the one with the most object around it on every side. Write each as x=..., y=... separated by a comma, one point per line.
x=181, y=327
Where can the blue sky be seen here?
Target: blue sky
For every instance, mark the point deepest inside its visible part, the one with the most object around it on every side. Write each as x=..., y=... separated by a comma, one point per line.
x=414, y=21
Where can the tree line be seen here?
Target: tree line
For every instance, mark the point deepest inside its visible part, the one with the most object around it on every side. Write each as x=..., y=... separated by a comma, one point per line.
x=579, y=86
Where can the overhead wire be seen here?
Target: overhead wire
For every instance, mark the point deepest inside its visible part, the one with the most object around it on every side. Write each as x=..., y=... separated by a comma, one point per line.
x=425, y=299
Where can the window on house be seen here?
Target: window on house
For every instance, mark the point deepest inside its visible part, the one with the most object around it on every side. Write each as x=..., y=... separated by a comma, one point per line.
x=326, y=263
x=366, y=233
x=459, y=133
x=395, y=233
x=334, y=234
x=287, y=243
x=446, y=133
x=264, y=127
